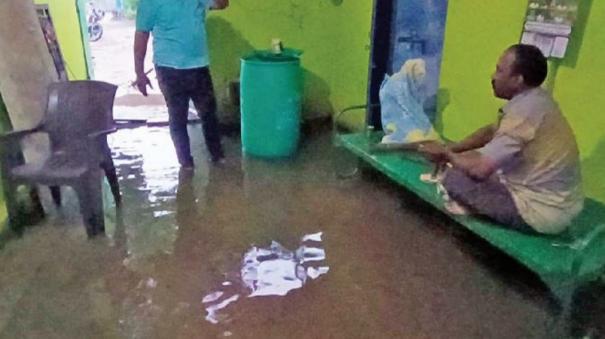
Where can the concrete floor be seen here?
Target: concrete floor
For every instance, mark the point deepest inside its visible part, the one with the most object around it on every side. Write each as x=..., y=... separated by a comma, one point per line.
x=190, y=255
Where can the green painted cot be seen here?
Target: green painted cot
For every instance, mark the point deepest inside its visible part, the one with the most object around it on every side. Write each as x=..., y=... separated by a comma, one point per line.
x=563, y=262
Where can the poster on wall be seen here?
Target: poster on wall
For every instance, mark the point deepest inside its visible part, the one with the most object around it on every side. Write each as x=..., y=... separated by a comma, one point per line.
x=548, y=25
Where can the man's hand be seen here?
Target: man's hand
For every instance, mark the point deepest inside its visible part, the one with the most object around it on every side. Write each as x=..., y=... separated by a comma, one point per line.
x=142, y=82
x=434, y=151
x=140, y=49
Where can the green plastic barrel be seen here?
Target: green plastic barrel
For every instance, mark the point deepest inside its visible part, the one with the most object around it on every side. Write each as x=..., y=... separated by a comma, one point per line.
x=271, y=96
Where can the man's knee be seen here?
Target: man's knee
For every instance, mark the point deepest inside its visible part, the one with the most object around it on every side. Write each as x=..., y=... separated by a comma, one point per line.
x=456, y=181
x=205, y=103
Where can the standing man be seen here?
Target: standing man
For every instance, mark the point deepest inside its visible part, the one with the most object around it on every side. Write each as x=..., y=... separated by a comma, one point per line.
x=524, y=170
x=119, y=9
x=181, y=63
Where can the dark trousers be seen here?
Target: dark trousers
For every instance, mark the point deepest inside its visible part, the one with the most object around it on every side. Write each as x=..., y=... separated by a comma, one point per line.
x=489, y=198
x=178, y=87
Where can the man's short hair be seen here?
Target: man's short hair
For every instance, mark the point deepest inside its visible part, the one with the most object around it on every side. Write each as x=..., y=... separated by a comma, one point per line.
x=530, y=63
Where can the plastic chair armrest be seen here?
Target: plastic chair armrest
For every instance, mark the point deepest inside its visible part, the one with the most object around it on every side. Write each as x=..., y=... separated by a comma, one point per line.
x=17, y=135
x=97, y=134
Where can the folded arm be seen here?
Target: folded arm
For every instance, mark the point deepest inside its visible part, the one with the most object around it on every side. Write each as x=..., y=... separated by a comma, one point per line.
x=476, y=140
x=464, y=155
x=473, y=163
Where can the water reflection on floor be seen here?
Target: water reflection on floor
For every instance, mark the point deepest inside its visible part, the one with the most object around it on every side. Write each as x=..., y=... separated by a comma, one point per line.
x=271, y=271
x=235, y=250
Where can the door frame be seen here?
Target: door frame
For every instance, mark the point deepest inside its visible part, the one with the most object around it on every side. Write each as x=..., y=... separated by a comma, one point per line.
x=379, y=57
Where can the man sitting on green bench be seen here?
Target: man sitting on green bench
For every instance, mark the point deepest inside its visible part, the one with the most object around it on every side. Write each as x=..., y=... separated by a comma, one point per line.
x=524, y=170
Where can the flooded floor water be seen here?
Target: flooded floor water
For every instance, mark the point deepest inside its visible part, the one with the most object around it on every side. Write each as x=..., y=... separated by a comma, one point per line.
x=256, y=249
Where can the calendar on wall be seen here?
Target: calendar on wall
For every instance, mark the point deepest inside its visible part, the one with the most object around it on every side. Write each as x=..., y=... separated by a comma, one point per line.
x=548, y=25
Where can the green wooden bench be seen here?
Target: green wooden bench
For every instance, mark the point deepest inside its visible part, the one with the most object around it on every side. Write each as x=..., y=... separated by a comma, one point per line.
x=563, y=262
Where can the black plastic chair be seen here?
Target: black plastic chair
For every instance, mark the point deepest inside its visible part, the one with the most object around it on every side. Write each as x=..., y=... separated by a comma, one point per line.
x=78, y=118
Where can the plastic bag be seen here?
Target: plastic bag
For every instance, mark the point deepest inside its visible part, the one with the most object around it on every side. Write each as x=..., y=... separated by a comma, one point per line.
x=401, y=99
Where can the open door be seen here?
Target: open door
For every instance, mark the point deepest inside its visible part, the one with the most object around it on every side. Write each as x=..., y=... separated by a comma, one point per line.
x=50, y=36
x=402, y=30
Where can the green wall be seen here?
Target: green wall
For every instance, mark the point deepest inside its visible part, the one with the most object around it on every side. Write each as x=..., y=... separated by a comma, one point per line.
x=476, y=34
x=66, y=19
x=578, y=88
x=334, y=35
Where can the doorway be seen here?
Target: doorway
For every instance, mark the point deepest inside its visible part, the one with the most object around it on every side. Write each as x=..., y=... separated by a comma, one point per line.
x=403, y=30
x=112, y=61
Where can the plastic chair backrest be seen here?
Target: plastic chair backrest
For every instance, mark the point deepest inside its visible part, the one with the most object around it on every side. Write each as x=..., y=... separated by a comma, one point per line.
x=76, y=109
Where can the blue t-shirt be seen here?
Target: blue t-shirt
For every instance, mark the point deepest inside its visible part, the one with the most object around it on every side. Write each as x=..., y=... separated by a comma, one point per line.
x=179, y=31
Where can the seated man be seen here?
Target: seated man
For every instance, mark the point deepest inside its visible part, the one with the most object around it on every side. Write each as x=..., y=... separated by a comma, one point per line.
x=523, y=171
